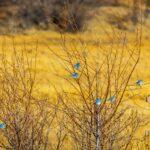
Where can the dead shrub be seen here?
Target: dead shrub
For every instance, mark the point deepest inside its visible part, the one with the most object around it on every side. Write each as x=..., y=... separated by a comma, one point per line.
x=33, y=14
x=69, y=15
x=27, y=116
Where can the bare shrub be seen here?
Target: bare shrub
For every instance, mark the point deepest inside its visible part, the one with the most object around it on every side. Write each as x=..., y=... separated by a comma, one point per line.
x=33, y=13
x=69, y=15
x=103, y=77
x=28, y=117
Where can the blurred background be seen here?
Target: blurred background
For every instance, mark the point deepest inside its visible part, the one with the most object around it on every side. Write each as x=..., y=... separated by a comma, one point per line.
x=71, y=15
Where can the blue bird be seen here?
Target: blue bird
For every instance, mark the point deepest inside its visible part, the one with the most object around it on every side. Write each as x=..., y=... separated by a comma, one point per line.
x=2, y=126
x=112, y=98
x=75, y=75
x=77, y=66
x=139, y=82
x=98, y=101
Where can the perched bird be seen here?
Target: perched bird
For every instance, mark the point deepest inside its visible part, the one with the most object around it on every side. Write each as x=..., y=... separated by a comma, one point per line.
x=112, y=98
x=2, y=126
x=98, y=101
x=75, y=75
x=139, y=82
x=77, y=66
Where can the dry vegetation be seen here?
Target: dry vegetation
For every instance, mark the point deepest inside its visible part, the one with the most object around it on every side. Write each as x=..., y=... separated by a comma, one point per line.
x=108, y=125
x=50, y=82
x=66, y=15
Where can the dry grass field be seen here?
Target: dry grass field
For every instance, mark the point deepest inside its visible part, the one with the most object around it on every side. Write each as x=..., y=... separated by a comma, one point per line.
x=98, y=30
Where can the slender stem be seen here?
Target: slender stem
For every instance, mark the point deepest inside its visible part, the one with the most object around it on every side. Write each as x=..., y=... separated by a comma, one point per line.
x=98, y=131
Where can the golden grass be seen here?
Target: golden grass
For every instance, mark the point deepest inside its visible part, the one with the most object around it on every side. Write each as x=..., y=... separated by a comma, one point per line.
x=33, y=39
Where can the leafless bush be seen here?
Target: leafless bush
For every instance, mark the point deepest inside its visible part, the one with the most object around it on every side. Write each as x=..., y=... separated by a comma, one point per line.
x=28, y=117
x=33, y=13
x=106, y=125
x=69, y=15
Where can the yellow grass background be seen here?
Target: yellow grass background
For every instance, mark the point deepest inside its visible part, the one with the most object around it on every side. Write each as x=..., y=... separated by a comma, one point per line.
x=33, y=39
